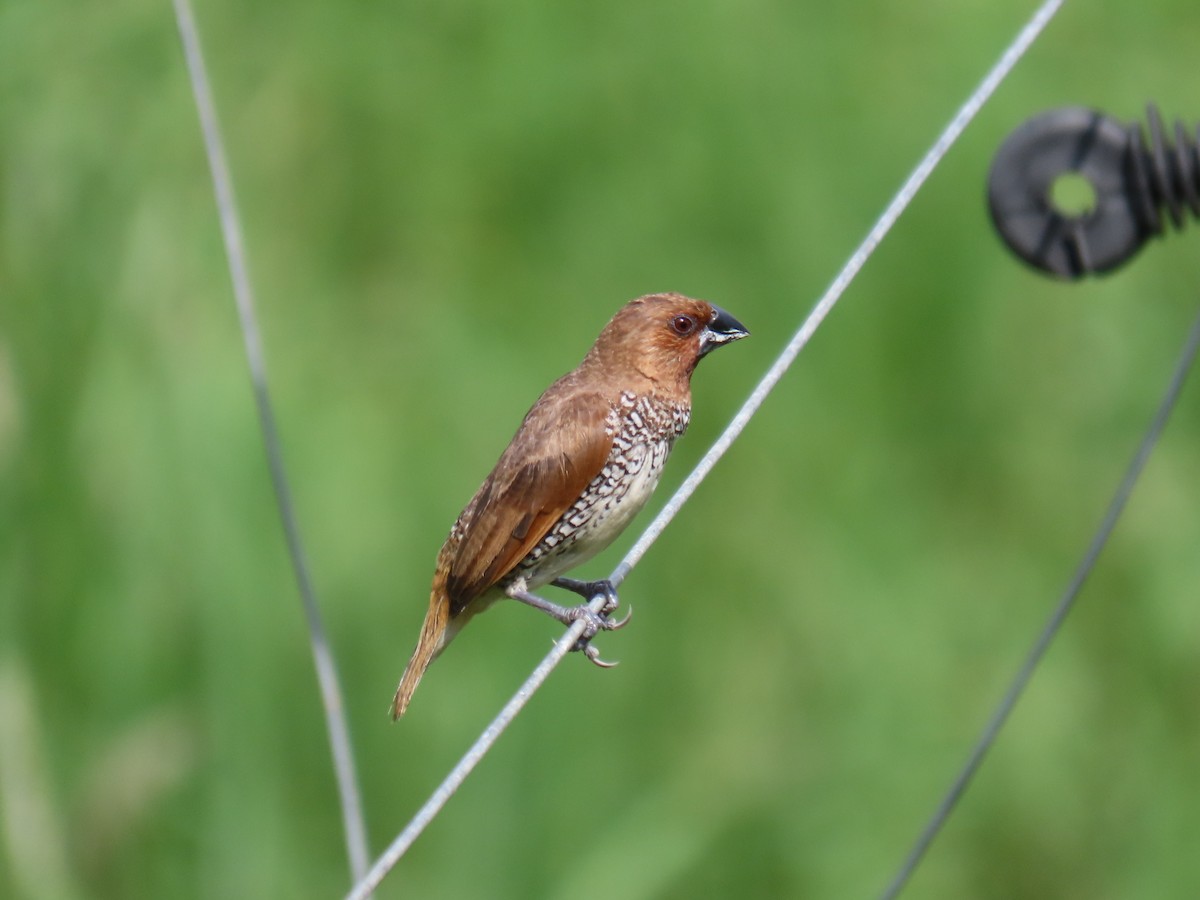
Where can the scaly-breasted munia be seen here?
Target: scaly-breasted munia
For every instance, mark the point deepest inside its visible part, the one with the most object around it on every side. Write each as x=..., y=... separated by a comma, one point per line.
x=583, y=463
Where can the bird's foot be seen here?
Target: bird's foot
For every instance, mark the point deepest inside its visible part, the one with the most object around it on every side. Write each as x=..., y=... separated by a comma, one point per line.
x=590, y=590
x=594, y=622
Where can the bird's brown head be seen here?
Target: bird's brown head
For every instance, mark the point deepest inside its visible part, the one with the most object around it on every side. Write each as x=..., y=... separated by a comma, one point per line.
x=662, y=337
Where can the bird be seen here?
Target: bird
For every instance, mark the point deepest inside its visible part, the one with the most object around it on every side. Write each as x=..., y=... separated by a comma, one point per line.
x=582, y=464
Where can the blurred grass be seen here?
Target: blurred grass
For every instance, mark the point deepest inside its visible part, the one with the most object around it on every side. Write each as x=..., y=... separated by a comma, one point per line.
x=443, y=204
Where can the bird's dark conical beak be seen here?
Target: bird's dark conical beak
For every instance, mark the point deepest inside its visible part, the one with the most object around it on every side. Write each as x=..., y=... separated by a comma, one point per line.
x=722, y=329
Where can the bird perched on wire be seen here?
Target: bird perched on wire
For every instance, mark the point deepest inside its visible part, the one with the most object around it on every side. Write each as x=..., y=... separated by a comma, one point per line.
x=583, y=463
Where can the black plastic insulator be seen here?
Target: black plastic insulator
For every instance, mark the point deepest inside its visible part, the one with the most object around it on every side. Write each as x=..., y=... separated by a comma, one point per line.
x=1139, y=183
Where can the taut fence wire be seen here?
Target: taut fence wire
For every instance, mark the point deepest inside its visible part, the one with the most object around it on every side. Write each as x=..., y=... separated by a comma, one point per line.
x=933, y=157
x=471, y=758
x=327, y=677
x=1054, y=623
x=930, y=161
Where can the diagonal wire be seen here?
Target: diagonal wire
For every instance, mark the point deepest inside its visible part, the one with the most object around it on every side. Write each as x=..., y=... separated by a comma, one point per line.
x=833, y=293
x=331, y=693
x=466, y=765
x=1024, y=39
x=1019, y=682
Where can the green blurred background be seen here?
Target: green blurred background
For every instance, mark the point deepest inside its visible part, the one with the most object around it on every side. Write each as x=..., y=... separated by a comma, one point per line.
x=443, y=204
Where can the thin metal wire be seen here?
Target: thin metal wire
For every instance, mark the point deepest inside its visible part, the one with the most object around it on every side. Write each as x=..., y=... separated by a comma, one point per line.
x=833, y=293
x=331, y=693
x=1115, y=507
x=908, y=190
x=471, y=758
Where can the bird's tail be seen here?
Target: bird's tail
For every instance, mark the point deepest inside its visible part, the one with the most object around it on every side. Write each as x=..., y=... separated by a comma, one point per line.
x=436, y=633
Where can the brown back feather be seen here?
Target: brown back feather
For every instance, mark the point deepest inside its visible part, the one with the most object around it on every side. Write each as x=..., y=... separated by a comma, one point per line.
x=559, y=448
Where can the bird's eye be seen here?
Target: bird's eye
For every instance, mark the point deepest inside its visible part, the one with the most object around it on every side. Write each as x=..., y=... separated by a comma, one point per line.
x=683, y=325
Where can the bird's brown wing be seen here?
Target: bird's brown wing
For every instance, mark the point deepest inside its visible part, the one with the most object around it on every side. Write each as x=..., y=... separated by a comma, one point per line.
x=559, y=448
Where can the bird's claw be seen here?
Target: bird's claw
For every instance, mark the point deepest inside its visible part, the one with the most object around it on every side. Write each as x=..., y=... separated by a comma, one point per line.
x=594, y=624
x=594, y=655
x=611, y=625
